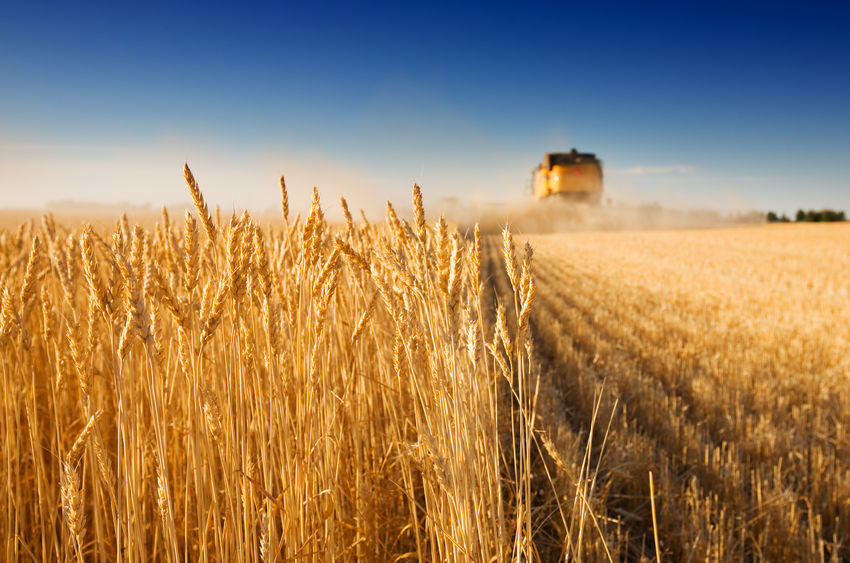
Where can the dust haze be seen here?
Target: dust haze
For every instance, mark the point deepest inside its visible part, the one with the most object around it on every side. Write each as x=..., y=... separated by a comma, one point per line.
x=525, y=216
x=554, y=215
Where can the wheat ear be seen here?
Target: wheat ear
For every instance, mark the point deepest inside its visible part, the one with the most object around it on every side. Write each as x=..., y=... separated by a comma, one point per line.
x=200, y=204
x=284, y=199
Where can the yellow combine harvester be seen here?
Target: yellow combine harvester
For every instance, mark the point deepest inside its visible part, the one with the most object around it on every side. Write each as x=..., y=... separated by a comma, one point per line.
x=573, y=175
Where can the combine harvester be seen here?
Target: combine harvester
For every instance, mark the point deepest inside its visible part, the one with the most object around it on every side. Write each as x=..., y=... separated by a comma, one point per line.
x=573, y=176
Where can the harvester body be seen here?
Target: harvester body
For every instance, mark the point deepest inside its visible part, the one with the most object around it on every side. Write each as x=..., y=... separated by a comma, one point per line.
x=572, y=175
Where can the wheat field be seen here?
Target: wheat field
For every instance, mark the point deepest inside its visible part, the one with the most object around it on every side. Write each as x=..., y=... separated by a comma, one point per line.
x=221, y=391
x=208, y=389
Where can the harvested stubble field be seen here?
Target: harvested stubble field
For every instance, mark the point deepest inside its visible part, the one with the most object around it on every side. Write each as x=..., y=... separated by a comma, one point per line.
x=721, y=359
x=208, y=390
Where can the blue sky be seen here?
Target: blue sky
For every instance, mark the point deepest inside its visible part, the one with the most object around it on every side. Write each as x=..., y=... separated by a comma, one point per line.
x=726, y=105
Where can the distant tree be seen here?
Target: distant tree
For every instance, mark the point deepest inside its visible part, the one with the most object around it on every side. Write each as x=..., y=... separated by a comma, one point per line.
x=821, y=216
x=831, y=215
x=785, y=219
x=771, y=217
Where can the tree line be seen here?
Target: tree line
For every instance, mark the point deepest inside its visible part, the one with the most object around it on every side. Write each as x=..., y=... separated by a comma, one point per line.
x=810, y=216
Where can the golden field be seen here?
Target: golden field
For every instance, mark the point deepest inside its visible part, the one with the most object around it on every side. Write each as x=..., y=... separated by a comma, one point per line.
x=721, y=359
x=208, y=389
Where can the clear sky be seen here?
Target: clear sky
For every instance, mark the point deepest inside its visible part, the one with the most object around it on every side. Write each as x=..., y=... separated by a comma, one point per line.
x=725, y=105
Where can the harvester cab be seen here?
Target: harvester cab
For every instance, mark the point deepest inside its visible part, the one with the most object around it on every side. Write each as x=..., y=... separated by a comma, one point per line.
x=573, y=175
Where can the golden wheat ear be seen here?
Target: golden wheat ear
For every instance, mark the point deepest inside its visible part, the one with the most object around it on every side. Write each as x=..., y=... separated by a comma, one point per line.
x=200, y=204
